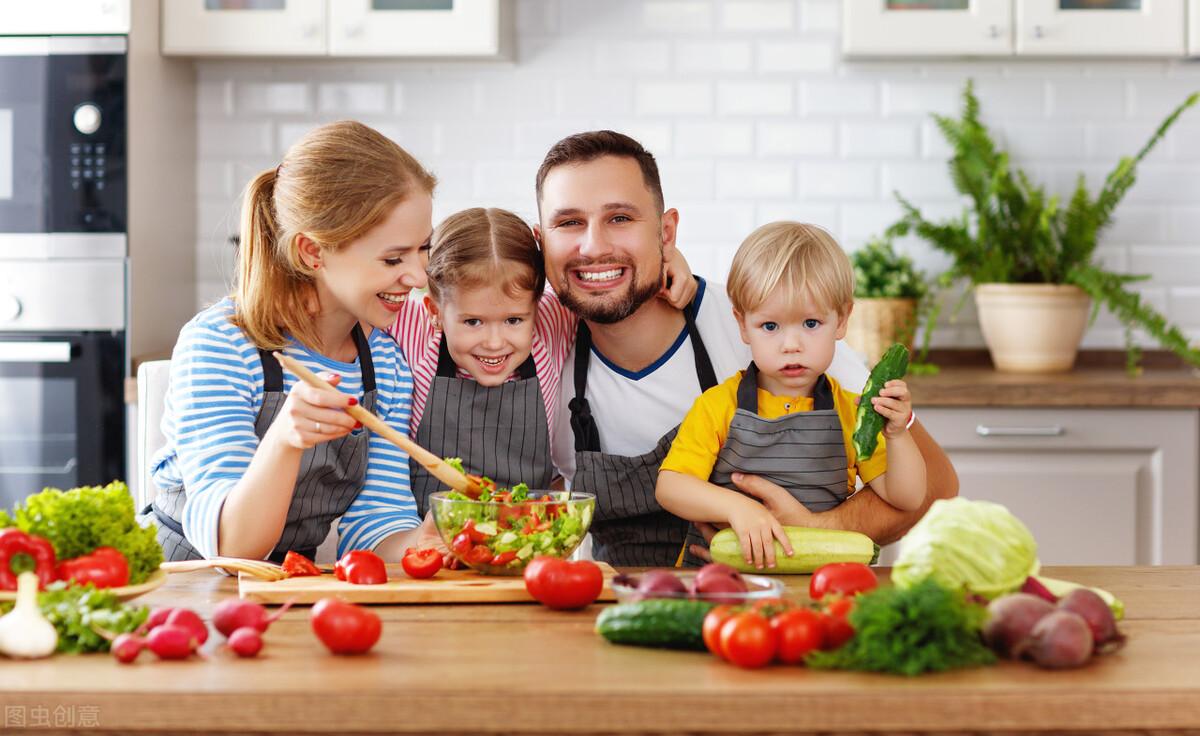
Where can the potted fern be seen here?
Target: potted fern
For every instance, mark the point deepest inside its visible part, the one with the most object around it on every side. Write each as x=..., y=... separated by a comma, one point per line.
x=1031, y=261
x=888, y=290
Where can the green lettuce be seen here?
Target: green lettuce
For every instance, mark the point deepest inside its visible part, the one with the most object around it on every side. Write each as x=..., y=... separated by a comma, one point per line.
x=977, y=546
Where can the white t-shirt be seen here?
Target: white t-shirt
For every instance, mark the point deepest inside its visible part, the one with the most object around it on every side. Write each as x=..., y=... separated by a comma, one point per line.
x=634, y=410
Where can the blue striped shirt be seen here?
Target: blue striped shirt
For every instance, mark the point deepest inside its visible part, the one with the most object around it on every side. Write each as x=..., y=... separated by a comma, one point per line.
x=213, y=399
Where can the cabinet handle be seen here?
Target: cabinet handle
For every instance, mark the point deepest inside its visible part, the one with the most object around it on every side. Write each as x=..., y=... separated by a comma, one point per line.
x=993, y=31
x=1039, y=32
x=1053, y=430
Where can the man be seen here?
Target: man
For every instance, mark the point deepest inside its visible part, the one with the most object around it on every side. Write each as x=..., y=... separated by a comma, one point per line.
x=638, y=363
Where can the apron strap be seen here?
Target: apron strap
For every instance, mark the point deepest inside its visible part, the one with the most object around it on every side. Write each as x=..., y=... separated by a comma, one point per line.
x=747, y=392
x=273, y=372
x=447, y=368
x=583, y=424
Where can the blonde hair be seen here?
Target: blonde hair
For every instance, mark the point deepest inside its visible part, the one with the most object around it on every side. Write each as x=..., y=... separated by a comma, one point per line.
x=335, y=184
x=802, y=259
x=483, y=247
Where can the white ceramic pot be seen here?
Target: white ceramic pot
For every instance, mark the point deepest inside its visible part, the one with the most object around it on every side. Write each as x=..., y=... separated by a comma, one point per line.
x=1032, y=328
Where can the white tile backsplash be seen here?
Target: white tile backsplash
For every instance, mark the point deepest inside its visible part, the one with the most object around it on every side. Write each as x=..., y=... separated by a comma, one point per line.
x=753, y=116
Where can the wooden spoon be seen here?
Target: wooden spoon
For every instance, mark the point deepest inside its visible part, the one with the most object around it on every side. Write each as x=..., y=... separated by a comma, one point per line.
x=436, y=466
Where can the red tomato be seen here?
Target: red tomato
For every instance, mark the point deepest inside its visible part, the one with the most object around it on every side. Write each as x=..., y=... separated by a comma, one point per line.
x=842, y=578
x=748, y=640
x=478, y=555
x=797, y=632
x=770, y=607
x=713, y=621
x=297, y=565
x=345, y=628
x=503, y=558
x=461, y=544
x=562, y=584
x=472, y=533
x=507, y=515
x=362, y=567
x=421, y=563
x=837, y=629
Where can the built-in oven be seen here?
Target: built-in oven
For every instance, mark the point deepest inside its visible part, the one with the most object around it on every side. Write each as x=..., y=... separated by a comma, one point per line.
x=63, y=262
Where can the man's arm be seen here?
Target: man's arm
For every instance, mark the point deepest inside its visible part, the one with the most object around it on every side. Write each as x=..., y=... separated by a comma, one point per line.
x=864, y=511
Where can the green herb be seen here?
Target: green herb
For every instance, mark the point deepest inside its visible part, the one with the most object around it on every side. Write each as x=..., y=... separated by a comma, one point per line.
x=81, y=519
x=925, y=628
x=75, y=610
x=456, y=463
x=520, y=492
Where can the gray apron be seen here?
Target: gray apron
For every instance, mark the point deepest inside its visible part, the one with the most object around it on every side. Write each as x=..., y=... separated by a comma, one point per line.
x=498, y=431
x=630, y=528
x=331, y=473
x=803, y=452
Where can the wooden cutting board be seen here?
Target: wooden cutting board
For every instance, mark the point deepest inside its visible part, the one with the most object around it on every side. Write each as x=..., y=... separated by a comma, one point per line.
x=448, y=586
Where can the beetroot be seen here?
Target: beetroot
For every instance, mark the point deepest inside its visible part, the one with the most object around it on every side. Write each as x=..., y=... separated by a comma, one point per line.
x=1059, y=640
x=1011, y=619
x=1098, y=616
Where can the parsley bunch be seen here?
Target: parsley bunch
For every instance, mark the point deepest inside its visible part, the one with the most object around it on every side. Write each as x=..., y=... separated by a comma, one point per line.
x=925, y=628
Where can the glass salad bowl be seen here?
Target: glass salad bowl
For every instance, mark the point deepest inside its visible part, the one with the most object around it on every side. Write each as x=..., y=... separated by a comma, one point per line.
x=500, y=533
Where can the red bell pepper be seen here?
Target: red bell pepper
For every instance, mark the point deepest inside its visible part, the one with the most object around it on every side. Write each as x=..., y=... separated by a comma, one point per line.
x=105, y=567
x=14, y=542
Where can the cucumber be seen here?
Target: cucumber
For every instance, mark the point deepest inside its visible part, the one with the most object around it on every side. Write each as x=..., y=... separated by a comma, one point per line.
x=812, y=548
x=867, y=421
x=659, y=622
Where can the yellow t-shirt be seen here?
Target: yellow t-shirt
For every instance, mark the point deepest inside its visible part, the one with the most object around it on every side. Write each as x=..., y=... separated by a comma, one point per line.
x=703, y=432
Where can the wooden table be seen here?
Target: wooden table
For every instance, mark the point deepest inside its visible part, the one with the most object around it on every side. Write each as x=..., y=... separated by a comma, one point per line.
x=525, y=669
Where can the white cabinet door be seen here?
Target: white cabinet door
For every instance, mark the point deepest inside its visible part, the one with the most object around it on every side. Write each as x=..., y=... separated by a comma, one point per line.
x=927, y=28
x=243, y=27
x=1100, y=27
x=424, y=28
x=50, y=17
x=1193, y=27
x=1095, y=486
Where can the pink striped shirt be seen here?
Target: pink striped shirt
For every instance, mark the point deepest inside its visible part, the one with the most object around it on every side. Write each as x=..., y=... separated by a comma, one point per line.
x=553, y=337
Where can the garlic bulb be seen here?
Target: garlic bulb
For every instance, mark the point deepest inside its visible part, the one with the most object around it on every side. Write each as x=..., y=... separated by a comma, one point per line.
x=25, y=632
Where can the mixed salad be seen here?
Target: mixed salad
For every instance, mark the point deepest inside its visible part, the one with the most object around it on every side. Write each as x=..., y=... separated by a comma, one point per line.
x=504, y=528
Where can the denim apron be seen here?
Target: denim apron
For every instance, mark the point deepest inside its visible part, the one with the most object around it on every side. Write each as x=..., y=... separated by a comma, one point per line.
x=804, y=452
x=331, y=473
x=498, y=431
x=630, y=527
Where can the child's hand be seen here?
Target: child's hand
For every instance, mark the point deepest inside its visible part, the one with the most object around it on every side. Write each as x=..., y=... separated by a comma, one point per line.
x=894, y=404
x=680, y=288
x=757, y=529
x=313, y=415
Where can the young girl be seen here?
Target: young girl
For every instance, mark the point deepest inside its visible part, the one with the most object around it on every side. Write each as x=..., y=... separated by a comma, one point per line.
x=257, y=463
x=487, y=347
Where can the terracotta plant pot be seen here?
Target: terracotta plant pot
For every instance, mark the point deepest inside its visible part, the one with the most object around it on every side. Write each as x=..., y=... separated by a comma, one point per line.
x=1032, y=328
x=875, y=324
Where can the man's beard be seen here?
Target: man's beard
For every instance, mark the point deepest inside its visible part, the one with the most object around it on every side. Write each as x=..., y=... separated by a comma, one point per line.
x=611, y=308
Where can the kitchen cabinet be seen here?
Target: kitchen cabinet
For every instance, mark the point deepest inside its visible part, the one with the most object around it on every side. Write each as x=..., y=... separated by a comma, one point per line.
x=349, y=28
x=1100, y=28
x=927, y=28
x=1193, y=27
x=1034, y=28
x=1095, y=486
x=64, y=17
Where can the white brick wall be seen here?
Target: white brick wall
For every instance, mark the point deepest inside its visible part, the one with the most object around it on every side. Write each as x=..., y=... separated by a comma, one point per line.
x=754, y=117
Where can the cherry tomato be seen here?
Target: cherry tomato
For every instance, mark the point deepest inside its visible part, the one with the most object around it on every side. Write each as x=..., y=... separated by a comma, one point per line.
x=837, y=629
x=503, y=558
x=797, y=632
x=842, y=578
x=748, y=640
x=297, y=565
x=478, y=555
x=461, y=544
x=421, y=563
x=344, y=627
x=562, y=584
x=472, y=533
x=713, y=621
x=362, y=567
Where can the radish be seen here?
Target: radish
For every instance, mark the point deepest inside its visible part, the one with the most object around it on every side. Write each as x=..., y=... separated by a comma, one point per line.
x=246, y=641
x=157, y=617
x=191, y=621
x=171, y=642
x=236, y=613
x=127, y=647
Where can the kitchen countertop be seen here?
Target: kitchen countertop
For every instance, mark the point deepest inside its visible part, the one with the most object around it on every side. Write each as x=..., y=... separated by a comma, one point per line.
x=521, y=668
x=1099, y=380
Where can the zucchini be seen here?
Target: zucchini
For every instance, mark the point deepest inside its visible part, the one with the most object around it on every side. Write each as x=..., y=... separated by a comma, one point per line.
x=812, y=548
x=658, y=622
x=867, y=421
